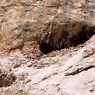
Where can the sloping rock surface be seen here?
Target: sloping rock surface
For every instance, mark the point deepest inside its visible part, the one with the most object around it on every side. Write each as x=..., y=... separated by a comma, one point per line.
x=29, y=29
x=65, y=72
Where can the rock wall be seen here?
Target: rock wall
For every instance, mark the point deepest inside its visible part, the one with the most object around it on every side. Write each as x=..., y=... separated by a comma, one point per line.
x=53, y=23
x=27, y=25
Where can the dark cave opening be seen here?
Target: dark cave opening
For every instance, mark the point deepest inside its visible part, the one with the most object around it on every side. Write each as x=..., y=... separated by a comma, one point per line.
x=86, y=32
x=45, y=48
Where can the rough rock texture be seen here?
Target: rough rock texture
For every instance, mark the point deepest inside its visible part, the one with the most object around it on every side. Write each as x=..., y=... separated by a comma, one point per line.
x=6, y=76
x=28, y=26
x=65, y=72
x=53, y=23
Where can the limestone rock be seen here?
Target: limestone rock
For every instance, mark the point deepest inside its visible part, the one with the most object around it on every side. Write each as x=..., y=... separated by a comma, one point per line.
x=55, y=24
x=30, y=27
x=65, y=72
x=6, y=76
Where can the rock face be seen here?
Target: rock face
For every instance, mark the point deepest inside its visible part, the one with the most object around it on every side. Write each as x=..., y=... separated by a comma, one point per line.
x=67, y=35
x=65, y=72
x=6, y=76
x=53, y=24
x=29, y=30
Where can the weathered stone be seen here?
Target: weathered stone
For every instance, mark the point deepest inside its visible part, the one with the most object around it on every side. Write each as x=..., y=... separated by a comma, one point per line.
x=65, y=35
x=6, y=76
x=54, y=23
x=26, y=26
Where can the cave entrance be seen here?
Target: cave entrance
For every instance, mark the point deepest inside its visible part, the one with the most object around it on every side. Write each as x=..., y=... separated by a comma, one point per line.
x=86, y=32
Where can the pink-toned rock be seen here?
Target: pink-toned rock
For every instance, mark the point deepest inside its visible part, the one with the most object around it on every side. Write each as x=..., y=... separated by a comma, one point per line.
x=6, y=76
x=43, y=21
x=53, y=24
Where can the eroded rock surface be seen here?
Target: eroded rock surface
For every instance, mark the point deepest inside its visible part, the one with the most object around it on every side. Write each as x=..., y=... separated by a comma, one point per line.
x=6, y=76
x=65, y=72
x=30, y=27
x=53, y=24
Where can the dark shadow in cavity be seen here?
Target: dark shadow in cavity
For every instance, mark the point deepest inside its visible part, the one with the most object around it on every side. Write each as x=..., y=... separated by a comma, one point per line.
x=84, y=34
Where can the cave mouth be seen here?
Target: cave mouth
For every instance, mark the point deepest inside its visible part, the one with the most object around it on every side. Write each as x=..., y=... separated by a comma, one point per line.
x=86, y=32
